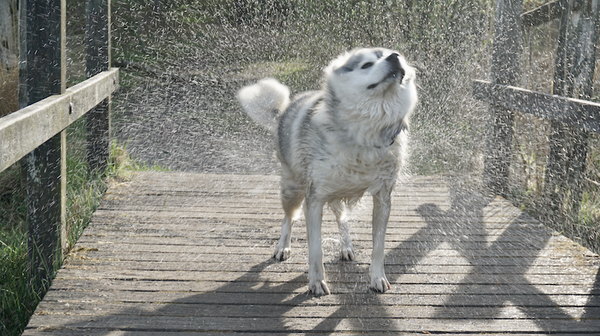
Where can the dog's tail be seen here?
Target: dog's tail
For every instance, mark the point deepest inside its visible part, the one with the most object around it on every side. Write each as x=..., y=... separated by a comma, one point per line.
x=265, y=101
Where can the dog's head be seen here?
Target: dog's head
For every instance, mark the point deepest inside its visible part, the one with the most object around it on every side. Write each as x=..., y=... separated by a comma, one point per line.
x=374, y=82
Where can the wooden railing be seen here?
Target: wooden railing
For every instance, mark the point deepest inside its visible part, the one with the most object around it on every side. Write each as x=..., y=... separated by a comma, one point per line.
x=36, y=135
x=572, y=117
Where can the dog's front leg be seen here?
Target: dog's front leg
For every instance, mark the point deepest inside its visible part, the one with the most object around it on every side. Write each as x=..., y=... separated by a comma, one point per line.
x=313, y=212
x=382, y=203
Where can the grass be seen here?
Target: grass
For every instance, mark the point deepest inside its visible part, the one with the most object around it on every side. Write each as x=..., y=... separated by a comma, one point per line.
x=84, y=193
x=9, y=71
x=9, y=93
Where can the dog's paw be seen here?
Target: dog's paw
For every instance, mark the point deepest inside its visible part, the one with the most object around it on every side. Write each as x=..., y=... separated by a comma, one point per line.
x=319, y=287
x=347, y=253
x=282, y=254
x=380, y=284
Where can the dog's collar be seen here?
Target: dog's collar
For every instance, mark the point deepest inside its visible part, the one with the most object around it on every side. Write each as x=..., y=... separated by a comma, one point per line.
x=391, y=142
x=394, y=137
x=403, y=126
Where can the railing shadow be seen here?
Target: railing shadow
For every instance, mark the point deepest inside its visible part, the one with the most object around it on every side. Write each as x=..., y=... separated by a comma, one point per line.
x=462, y=227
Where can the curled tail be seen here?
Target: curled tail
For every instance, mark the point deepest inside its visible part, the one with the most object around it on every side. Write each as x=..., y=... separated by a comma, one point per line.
x=265, y=101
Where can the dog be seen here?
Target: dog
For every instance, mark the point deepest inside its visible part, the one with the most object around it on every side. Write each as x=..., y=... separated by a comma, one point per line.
x=336, y=144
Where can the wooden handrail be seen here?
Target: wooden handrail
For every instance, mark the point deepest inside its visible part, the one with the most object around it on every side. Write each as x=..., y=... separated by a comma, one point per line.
x=579, y=113
x=28, y=128
x=547, y=12
x=570, y=119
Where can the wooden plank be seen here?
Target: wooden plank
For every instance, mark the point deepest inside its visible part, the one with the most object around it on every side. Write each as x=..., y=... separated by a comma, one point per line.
x=353, y=274
x=298, y=324
x=358, y=233
x=227, y=239
x=461, y=267
x=505, y=71
x=268, y=325
x=502, y=249
x=548, y=12
x=50, y=116
x=401, y=256
x=404, y=265
x=231, y=310
x=573, y=77
x=105, y=332
x=543, y=14
x=578, y=113
x=81, y=288
x=97, y=37
x=43, y=76
x=295, y=292
x=44, y=216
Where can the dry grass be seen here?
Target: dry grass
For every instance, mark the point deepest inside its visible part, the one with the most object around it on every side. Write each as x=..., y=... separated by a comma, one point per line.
x=9, y=91
x=9, y=70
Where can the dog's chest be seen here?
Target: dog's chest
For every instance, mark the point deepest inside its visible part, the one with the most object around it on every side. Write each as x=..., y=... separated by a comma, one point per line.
x=352, y=171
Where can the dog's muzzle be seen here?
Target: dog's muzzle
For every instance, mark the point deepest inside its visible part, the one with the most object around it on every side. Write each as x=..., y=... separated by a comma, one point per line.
x=396, y=70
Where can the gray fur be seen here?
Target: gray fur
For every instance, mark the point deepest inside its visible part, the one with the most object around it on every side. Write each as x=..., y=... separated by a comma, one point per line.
x=338, y=143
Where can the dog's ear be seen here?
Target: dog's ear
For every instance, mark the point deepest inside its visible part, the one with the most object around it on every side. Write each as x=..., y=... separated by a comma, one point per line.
x=337, y=64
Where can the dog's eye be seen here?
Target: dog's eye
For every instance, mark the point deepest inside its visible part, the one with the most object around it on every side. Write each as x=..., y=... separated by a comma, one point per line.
x=367, y=65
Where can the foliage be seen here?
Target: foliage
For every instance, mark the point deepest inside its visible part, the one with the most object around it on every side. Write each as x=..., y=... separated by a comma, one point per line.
x=448, y=41
x=84, y=192
x=9, y=72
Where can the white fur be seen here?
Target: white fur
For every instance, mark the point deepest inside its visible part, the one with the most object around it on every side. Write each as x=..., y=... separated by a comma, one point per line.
x=268, y=95
x=337, y=144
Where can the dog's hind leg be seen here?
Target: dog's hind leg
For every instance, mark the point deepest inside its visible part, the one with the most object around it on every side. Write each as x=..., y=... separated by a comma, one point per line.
x=346, y=249
x=291, y=200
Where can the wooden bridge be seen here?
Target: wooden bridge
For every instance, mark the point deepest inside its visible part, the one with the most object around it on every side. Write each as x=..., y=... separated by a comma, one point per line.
x=169, y=253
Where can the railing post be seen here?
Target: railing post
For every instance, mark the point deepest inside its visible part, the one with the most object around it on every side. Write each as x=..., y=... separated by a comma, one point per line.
x=42, y=75
x=573, y=76
x=505, y=70
x=97, y=60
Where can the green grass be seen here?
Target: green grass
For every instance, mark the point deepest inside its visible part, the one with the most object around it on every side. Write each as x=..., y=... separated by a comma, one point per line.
x=84, y=193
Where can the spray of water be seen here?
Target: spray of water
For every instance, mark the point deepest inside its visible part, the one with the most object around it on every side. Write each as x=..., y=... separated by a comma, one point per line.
x=183, y=62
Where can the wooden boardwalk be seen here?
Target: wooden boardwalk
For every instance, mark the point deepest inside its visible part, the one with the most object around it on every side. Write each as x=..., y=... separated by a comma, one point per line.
x=168, y=253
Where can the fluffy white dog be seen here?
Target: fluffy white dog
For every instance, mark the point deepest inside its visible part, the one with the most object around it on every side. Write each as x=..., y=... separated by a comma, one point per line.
x=336, y=144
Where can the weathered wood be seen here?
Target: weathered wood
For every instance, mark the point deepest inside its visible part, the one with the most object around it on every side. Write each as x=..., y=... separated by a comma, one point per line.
x=548, y=12
x=405, y=256
x=97, y=36
x=288, y=288
x=573, y=77
x=457, y=265
x=224, y=333
x=79, y=288
x=578, y=113
x=505, y=71
x=42, y=76
x=88, y=309
x=8, y=45
x=438, y=266
x=50, y=116
x=334, y=322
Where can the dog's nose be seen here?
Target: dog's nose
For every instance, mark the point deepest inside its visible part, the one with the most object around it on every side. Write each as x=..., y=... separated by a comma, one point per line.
x=393, y=59
x=396, y=69
x=393, y=55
